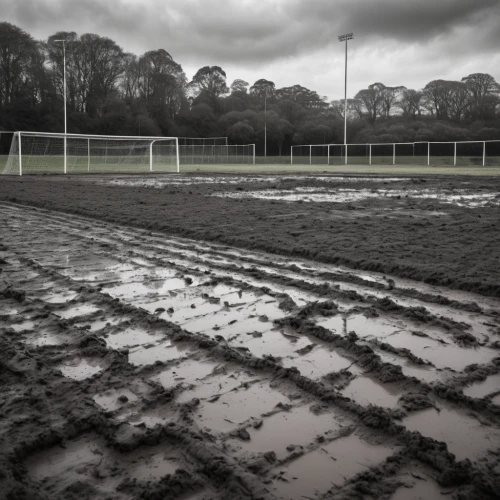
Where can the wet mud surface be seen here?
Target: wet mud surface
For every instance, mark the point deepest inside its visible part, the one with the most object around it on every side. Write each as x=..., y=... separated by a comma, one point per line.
x=440, y=230
x=136, y=364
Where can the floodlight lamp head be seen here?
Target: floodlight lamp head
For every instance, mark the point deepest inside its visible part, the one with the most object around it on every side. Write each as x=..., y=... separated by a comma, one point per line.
x=344, y=38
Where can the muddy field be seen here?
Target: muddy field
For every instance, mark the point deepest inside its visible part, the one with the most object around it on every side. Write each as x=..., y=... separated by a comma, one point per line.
x=151, y=348
x=443, y=231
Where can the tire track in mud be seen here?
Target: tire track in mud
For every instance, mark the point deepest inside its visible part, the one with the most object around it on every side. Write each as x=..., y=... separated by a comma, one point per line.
x=232, y=371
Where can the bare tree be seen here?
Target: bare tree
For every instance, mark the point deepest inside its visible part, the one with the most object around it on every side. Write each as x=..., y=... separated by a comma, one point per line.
x=210, y=80
x=485, y=92
x=239, y=86
x=372, y=100
x=390, y=96
x=18, y=53
x=411, y=103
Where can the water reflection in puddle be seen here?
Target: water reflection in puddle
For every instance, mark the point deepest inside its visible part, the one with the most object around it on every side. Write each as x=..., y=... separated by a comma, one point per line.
x=81, y=368
x=298, y=427
x=163, y=351
x=332, y=464
x=462, y=198
x=130, y=337
x=238, y=406
x=483, y=388
x=366, y=391
x=464, y=435
x=318, y=363
x=74, y=312
x=442, y=356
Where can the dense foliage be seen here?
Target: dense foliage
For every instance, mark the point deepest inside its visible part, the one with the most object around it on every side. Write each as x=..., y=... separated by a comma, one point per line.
x=114, y=92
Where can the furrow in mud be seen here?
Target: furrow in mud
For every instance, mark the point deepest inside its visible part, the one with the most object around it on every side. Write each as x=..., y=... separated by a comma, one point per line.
x=171, y=373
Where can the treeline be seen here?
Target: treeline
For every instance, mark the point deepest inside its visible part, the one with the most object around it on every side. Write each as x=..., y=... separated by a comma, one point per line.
x=110, y=91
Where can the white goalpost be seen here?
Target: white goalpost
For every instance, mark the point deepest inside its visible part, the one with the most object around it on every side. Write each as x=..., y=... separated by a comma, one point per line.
x=43, y=152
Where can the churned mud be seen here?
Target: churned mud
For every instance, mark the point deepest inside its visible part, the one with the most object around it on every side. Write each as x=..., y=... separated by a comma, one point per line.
x=136, y=364
x=440, y=230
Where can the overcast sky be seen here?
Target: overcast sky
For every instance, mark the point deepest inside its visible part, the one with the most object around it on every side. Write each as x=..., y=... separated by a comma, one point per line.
x=397, y=42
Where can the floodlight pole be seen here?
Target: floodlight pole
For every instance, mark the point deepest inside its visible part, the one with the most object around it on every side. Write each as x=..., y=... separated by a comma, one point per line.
x=65, y=110
x=345, y=38
x=265, y=125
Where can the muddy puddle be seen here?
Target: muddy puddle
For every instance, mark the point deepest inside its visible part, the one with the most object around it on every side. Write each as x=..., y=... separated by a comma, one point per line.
x=218, y=382
x=442, y=355
x=87, y=462
x=77, y=311
x=484, y=388
x=187, y=340
x=161, y=351
x=72, y=462
x=115, y=398
x=421, y=372
x=94, y=325
x=317, y=363
x=419, y=483
x=237, y=406
x=81, y=368
x=366, y=391
x=172, y=180
x=465, y=435
x=189, y=371
x=24, y=326
x=330, y=465
x=130, y=337
x=288, y=432
x=462, y=198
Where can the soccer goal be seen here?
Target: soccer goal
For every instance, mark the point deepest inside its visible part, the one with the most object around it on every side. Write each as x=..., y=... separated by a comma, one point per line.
x=41, y=152
x=203, y=141
x=213, y=154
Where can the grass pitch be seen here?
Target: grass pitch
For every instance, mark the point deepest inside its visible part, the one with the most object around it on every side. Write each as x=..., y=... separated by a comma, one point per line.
x=269, y=165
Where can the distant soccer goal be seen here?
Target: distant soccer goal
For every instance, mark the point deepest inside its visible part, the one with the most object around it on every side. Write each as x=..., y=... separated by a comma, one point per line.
x=40, y=152
x=203, y=141
x=234, y=154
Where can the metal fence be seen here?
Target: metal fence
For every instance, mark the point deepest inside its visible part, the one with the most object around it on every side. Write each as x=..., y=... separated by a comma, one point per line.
x=463, y=153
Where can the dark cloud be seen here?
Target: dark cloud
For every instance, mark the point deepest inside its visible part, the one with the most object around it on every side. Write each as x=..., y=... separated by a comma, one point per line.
x=258, y=35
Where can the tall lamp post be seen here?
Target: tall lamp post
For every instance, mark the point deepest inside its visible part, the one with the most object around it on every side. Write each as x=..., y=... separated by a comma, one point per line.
x=345, y=38
x=265, y=124
x=65, y=110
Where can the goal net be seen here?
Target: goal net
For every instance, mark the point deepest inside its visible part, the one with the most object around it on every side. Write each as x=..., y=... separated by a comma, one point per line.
x=38, y=152
x=203, y=141
x=234, y=154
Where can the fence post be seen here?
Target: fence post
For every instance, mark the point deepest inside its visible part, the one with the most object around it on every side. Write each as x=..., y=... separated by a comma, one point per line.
x=151, y=156
x=455, y=155
x=88, y=155
x=484, y=153
x=394, y=154
x=291, y=155
x=20, y=155
x=346, y=154
x=310, y=155
x=428, y=153
x=65, y=153
x=177, y=154
x=370, y=154
x=328, y=154
x=254, y=154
